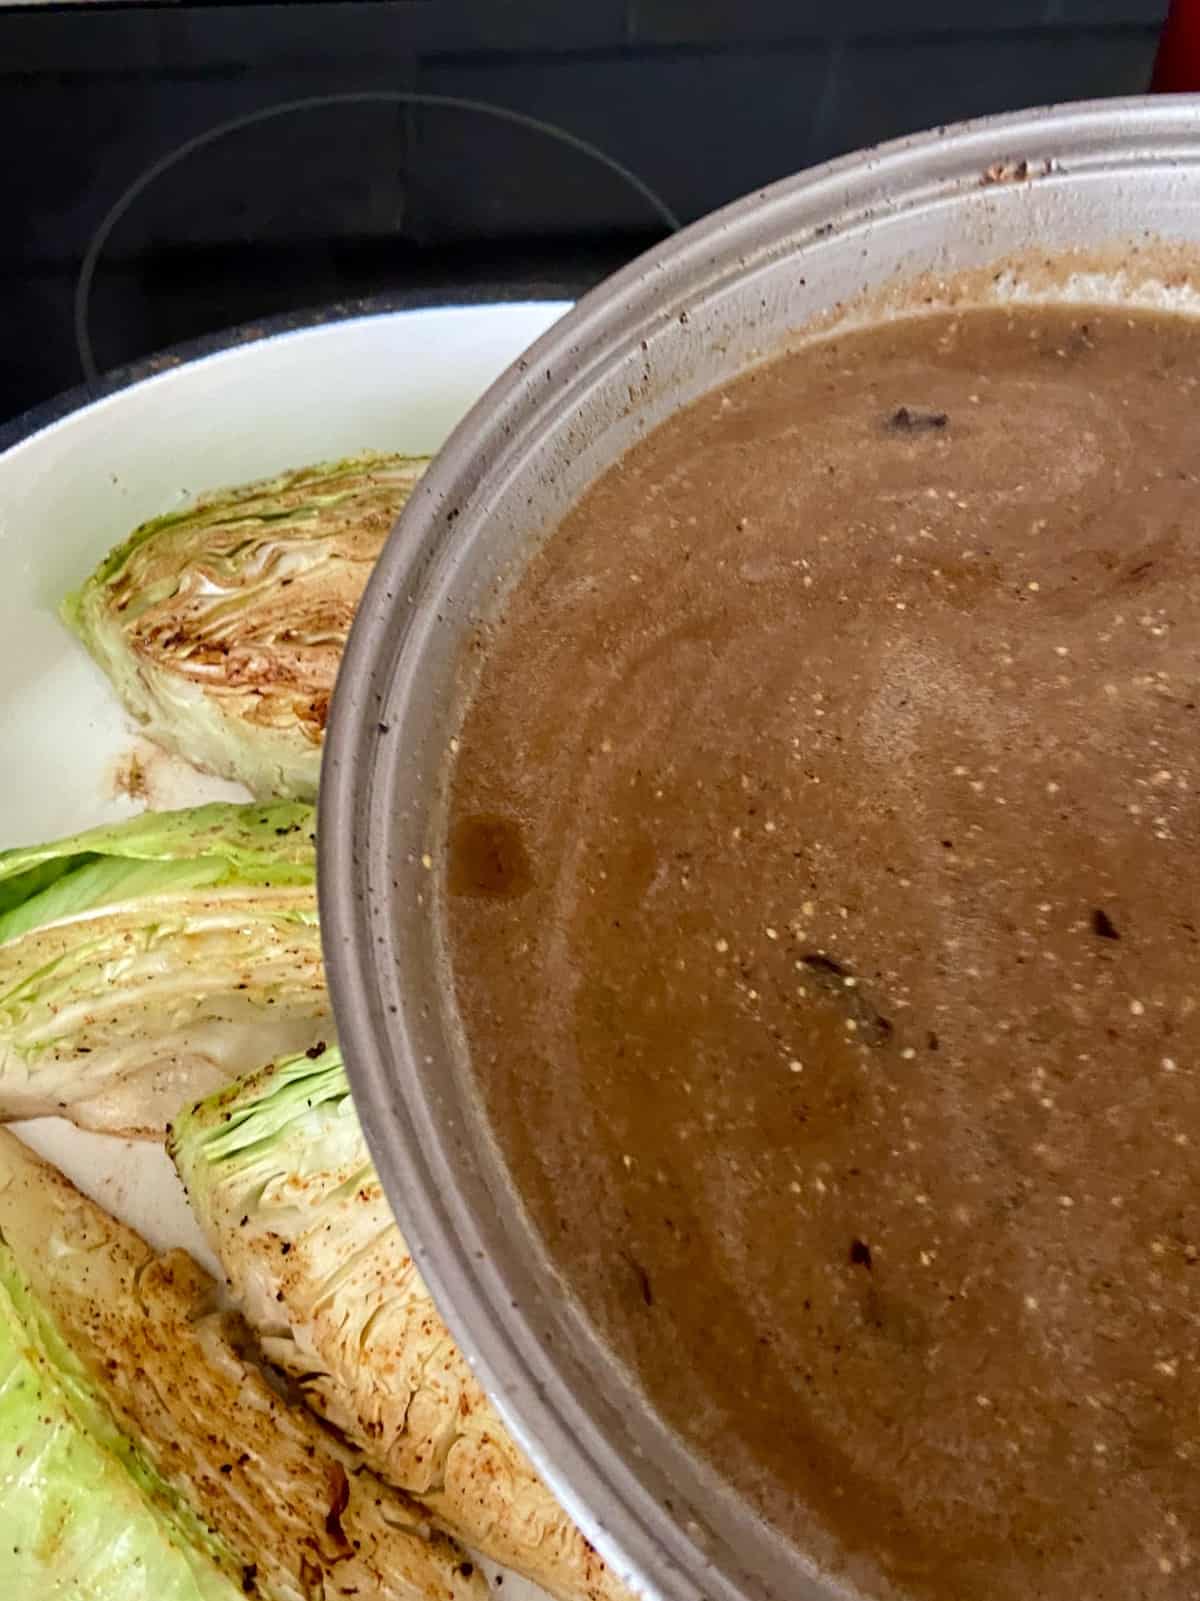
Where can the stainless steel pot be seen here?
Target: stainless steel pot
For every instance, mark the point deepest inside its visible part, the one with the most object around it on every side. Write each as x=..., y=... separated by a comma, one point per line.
x=1087, y=202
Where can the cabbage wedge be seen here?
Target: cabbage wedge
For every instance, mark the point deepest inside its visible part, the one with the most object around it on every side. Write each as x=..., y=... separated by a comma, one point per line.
x=144, y=1458
x=221, y=625
x=151, y=960
x=278, y=1173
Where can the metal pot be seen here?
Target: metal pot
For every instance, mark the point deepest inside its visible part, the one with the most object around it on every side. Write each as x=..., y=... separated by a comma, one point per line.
x=1085, y=202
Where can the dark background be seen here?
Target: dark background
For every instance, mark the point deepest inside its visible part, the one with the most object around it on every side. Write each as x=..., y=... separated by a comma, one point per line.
x=703, y=100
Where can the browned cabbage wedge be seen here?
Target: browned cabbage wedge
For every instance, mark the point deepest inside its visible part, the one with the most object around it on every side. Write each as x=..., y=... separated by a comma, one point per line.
x=278, y=1173
x=151, y=960
x=222, y=625
x=147, y=1368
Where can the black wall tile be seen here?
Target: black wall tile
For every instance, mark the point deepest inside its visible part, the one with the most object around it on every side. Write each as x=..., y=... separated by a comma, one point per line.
x=718, y=21
x=502, y=26
x=1093, y=13
x=885, y=89
x=84, y=39
x=200, y=38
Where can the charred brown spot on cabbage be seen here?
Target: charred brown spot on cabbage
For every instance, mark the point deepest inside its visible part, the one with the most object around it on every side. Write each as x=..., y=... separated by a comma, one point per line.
x=339, y=1501
x=247, y=597
x=318, y=712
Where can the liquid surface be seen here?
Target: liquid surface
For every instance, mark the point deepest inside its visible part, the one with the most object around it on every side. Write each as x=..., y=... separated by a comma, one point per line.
x=822, y=898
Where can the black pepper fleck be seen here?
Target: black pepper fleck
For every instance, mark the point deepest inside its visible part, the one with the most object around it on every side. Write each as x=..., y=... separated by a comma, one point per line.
x=1103, y=925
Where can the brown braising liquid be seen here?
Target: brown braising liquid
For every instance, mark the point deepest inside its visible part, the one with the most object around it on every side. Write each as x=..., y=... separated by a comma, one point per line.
x=822, y=899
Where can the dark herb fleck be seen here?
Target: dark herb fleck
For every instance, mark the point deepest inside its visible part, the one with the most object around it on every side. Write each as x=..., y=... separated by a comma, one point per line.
x=643, y=1279
x=872, y=1027
x=916, y=420
x=1103, y=925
